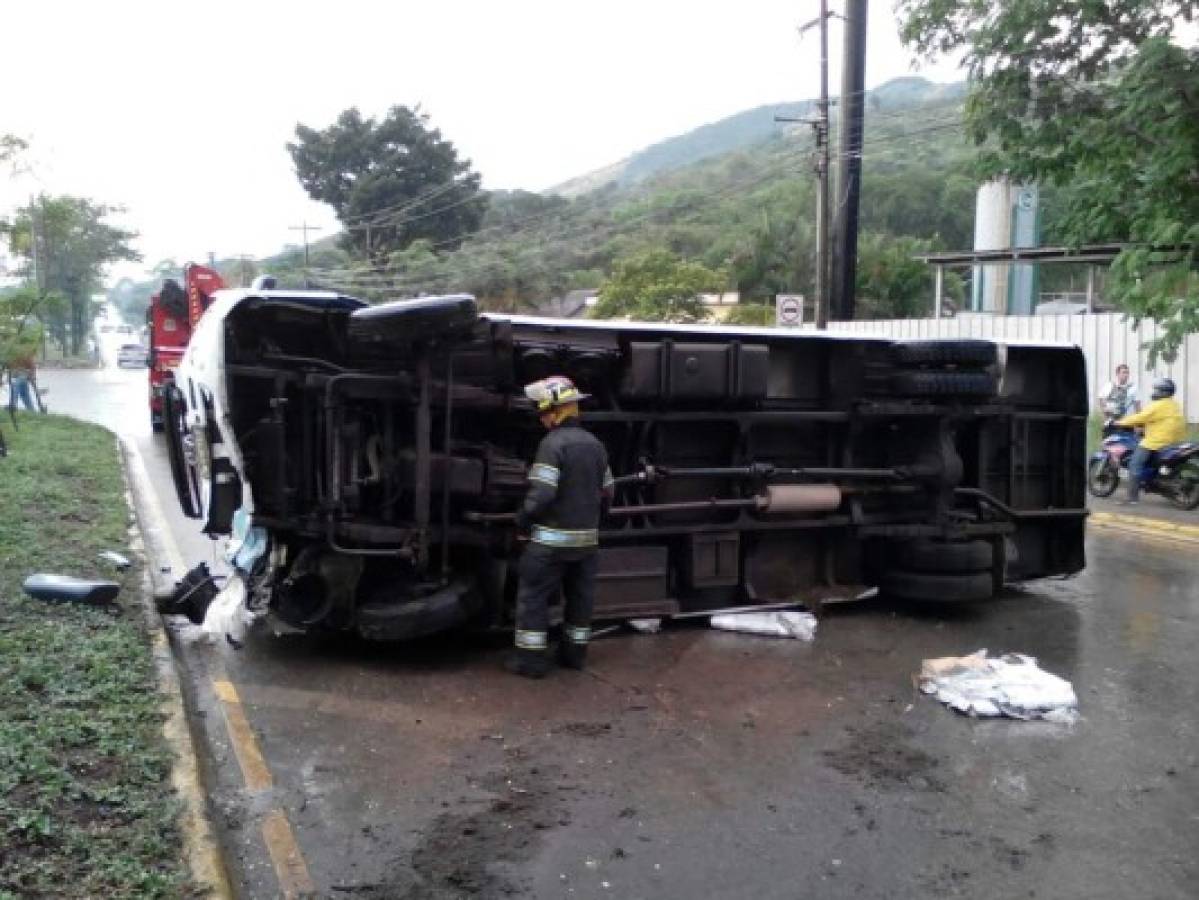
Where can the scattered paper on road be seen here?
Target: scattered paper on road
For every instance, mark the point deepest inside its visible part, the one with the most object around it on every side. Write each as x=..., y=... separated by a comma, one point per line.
x=780, y=623
x=1010, y=685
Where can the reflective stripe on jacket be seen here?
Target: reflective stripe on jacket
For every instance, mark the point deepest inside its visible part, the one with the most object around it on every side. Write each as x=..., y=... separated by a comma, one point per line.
x=568, y=483
x=561, y=537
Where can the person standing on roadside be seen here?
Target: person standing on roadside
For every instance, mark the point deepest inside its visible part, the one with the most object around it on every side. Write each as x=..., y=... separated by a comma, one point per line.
x=1164, y=425
x=1119, y=396
x=22, y=382
x=569, y=484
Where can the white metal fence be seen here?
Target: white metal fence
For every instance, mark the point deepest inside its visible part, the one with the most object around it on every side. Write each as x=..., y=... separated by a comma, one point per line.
x=1106, y=340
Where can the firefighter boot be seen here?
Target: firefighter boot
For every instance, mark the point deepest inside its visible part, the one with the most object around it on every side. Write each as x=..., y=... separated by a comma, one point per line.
x=572, y=655
x=529, y=663
x=572, y=652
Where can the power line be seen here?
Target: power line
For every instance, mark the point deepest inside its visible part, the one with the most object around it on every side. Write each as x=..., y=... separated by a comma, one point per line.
x=406, y=203
x=590, y=229
x=905, y=143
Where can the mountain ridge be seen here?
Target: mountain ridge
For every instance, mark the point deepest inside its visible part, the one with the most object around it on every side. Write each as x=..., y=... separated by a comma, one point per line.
x=745, y=129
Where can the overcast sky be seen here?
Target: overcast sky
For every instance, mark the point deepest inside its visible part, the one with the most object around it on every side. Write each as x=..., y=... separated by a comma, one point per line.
x=181, y=111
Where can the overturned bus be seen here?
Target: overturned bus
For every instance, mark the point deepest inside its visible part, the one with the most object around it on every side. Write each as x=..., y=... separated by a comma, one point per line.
x=372, y=457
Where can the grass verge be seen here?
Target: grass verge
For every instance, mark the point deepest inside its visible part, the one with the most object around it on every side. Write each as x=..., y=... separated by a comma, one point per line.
x=86, y=805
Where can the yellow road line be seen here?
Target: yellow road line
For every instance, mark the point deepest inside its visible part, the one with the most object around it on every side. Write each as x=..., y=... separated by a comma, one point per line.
x=203, y=853
x=281, y=845
x=290, y=868
x=207, y=866
x=253, y=765
x=286, y=857
x=1146, y=526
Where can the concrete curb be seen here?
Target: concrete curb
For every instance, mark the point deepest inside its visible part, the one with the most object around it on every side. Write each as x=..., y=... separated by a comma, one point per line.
x=203, y=852
x=1143, y=525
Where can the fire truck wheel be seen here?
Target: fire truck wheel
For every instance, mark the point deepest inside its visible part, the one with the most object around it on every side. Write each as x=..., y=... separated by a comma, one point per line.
x=923, y=586
x=945, y=557
x=943, y=353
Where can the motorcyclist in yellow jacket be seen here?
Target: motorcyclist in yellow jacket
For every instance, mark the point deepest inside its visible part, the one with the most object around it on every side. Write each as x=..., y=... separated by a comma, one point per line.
x=1164, y=424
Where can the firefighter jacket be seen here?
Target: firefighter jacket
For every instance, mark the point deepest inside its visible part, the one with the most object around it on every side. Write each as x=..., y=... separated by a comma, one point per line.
x=569, y=482
x=1163, y=422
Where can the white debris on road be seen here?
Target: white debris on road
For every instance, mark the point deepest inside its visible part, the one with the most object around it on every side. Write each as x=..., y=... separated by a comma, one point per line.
x=1010, y=685
x=646, y=626
x=227, y=615
x=782, y=623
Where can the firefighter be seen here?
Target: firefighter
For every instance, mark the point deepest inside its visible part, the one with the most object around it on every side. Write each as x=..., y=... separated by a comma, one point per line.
x=569, y=485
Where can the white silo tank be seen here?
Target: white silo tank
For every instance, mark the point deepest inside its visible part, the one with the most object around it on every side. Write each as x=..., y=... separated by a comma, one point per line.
x=1006, y=215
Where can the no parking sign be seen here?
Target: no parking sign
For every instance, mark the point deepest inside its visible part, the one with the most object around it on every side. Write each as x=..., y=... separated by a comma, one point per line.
x=788, y=310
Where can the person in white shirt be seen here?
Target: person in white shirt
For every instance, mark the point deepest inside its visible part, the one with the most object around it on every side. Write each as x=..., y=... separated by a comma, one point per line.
x=1119, y=396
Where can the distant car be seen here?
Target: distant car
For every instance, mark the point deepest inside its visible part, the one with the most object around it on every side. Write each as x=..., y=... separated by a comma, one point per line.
x=106, y=329
x=125, y=329
x=132, y=355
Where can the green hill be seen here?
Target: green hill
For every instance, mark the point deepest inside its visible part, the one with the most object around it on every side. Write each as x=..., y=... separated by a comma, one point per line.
x=748, y=212
x=737, y=195
x=746, y=129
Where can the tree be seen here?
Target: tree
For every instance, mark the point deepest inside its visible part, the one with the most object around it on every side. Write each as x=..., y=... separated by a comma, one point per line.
x=892, y=283
x=750, y=314
x=21, y=313
x=391, y=182
x=657, y=286
x=11, y=148
x=73, y=243
x=1097, y=98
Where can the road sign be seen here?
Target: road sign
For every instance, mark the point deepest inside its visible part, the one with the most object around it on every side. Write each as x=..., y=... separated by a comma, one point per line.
x=788, y=310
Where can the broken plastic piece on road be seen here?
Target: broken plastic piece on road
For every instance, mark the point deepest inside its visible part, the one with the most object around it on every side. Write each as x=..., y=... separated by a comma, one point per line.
x=1011, y=685
x=646, y=626
x=119, y=562
x=190, y=596
x=248, y=544
x=780, y=623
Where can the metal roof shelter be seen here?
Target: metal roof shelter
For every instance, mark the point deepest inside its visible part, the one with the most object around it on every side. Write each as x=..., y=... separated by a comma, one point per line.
x=1091, y=254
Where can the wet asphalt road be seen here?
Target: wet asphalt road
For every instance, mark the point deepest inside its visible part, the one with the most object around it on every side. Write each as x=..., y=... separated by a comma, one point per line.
x=702, y=764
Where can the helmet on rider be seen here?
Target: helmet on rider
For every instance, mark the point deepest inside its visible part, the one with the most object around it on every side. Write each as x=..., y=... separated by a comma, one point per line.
x=1163, y=387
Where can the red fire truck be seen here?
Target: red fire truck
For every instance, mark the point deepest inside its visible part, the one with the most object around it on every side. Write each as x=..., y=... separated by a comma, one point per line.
x=172, y=316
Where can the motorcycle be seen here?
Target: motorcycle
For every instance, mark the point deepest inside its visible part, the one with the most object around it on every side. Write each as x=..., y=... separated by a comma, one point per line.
x=1175, y=475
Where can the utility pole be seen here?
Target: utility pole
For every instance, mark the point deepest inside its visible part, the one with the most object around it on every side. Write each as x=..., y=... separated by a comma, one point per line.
x=304, y=227
x=820, y=126
x=822, y=217
x=33, y=244
x=37, y=286
x=849, y=167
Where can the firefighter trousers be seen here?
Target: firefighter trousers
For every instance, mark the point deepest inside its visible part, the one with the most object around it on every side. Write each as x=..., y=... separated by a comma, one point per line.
x=543, y=572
